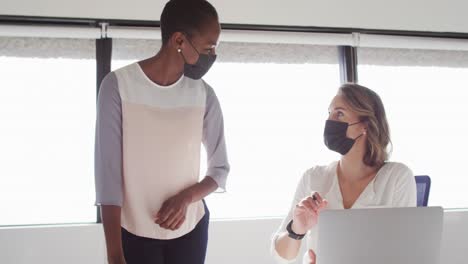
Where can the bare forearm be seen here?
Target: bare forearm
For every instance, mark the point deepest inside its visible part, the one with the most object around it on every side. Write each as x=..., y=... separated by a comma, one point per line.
x=200, y=190
x=287, y=247
x=112, y=230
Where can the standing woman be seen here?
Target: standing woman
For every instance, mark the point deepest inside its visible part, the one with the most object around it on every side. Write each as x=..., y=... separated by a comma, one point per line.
x=356, y=128
x=152, y=117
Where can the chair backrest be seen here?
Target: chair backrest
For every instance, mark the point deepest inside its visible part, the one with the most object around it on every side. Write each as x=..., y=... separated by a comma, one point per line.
x=423, y=185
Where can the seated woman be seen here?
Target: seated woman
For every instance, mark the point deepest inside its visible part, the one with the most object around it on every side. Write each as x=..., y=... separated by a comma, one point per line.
x=357, y=128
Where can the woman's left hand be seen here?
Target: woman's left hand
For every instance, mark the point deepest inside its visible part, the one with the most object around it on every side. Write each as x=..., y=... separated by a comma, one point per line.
x=172, y=213
x=312, y=257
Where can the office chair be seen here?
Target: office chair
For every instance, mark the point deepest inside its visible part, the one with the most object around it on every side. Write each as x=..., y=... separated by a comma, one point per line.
x=423, y=185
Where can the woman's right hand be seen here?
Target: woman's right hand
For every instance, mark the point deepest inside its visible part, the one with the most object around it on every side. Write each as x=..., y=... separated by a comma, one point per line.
x=312, y=257
x=305, y=214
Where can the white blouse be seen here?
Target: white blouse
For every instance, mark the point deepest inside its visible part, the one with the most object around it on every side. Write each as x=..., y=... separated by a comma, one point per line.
x=393, y=186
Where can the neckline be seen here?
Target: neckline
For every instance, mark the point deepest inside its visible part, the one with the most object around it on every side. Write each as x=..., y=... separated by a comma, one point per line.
x=155, y=85
x=368, y=189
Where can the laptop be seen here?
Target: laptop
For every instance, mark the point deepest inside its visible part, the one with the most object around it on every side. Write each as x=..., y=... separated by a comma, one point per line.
x=410, y=235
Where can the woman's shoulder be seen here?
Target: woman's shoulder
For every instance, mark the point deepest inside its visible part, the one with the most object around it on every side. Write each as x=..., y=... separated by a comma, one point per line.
x=397, y=167
x=397, y=171
x=131, y=68
x=320, y=174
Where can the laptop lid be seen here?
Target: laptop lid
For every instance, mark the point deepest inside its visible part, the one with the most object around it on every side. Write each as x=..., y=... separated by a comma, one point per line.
x=380, y=236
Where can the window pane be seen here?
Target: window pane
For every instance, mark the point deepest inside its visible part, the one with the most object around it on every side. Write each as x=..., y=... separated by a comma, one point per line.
x=424, y=93
x=47, y=109
x=274, y=118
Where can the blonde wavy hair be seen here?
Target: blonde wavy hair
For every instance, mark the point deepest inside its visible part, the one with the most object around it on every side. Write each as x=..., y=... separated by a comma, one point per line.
x=370, y=109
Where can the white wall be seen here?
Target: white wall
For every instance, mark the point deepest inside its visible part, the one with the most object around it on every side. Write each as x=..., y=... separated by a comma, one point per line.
x=231, y=242
x=52, y=245
x=418, y=15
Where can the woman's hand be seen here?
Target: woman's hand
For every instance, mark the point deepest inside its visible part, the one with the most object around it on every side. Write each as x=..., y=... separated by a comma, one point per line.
x=312, y=257
x=172, y=213
x=305, y=214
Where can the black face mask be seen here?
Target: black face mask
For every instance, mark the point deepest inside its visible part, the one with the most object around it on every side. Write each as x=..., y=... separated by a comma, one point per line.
x=335, y=136
x=201, y=67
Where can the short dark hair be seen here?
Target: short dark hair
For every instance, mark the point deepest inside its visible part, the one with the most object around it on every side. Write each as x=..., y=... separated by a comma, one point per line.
x=187, y=16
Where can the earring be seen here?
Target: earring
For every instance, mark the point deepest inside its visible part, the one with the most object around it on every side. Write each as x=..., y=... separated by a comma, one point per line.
x=179, y=50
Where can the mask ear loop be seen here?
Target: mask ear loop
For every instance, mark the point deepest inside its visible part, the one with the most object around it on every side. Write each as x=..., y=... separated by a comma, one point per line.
x=354, y=123
x=180, y=50
x=362, y=134
x=191, y=44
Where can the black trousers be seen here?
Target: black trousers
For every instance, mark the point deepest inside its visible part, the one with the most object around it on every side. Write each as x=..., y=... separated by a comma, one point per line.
x=188, y=249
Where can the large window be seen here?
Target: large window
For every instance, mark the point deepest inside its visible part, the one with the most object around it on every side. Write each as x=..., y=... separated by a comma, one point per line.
x=47, y=113
x=275, y=102
x=425, y=94
x=274, y=115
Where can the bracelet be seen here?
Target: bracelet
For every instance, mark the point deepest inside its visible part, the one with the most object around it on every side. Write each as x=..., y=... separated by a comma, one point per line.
x=292, y=234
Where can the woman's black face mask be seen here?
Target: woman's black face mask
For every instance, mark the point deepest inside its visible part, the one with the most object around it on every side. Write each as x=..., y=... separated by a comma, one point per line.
x=335, y=136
